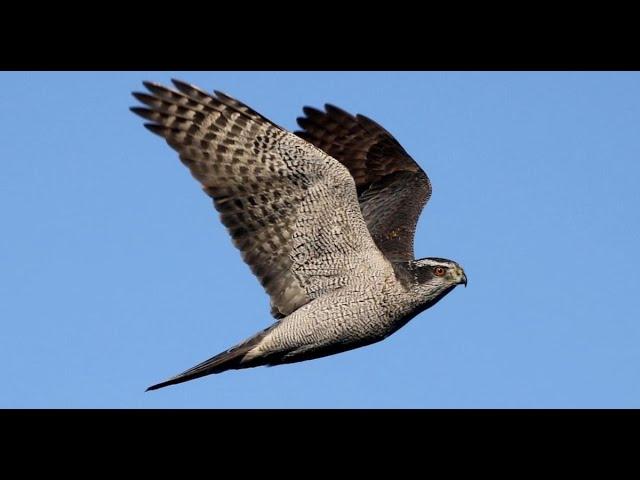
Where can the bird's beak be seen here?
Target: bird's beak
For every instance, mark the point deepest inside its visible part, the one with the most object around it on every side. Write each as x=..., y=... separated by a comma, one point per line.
x=462, y=277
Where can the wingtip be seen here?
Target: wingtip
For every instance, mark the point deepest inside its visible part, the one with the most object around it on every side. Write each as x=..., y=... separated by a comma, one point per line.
x=150, y=85
x=222, y=96
x=142, y=97
x=140, y=111
x=158, y=88
x=156, y=129
x=311, y=111
x=364, y=118
x=185, y=87
x=331, y=108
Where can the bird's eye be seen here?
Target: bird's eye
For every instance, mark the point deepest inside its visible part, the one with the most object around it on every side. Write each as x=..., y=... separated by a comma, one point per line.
x=439, y=271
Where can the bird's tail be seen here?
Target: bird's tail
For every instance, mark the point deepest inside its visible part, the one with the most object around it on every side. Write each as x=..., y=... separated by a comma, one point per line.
x=227, y=360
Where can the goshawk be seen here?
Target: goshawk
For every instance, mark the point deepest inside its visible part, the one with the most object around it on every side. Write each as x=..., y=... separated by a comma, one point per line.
x=325, y=217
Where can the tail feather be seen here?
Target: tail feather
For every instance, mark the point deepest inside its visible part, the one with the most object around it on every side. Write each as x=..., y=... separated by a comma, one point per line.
x=221, y=362
x=226, y=360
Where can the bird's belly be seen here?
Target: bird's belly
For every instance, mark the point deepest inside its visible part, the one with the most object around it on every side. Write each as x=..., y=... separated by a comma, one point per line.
x=332, y=324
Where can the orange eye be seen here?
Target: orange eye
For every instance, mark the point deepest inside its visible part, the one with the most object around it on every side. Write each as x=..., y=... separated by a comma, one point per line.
x=439, y=271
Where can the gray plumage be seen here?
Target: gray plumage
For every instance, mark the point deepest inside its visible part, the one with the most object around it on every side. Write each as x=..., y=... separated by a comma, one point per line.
x=325, y=219
x=391, y=186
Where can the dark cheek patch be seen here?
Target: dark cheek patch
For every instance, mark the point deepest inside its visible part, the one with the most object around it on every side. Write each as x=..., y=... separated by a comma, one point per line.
x=424, y=274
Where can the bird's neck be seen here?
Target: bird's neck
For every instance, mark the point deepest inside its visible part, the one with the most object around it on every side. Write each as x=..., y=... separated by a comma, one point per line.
x=410, y=273
x=411, y=276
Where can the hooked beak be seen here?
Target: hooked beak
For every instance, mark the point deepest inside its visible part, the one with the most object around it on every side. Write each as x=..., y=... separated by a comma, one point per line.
x=462, y=277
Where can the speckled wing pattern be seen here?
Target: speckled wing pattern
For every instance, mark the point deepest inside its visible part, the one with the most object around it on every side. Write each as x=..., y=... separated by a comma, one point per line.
x=392, y=188
x=291, y=209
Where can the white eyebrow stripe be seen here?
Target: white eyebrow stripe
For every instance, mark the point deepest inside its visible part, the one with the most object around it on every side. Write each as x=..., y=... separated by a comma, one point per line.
x=434, y=263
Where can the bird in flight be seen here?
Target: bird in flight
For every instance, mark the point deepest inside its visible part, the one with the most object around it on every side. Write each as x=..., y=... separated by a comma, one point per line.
x=325, y=218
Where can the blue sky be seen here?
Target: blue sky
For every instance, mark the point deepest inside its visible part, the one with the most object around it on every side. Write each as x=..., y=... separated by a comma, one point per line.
x=115, y=272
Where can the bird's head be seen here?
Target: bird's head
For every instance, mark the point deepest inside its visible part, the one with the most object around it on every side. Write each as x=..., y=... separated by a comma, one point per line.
x=435, y=277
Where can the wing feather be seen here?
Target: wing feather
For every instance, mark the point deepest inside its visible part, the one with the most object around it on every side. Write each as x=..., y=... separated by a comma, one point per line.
x=392, y=188
x=290, y=208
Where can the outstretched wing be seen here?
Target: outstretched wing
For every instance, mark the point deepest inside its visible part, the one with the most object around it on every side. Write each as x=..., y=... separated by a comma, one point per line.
x=392, y=188
x=291, y=209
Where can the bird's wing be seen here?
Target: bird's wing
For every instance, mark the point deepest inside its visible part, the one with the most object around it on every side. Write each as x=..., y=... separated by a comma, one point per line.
x=391, y=186
x=291, y=209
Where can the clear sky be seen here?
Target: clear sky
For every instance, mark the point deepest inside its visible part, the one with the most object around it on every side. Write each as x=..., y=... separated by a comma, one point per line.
x=115, y=272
